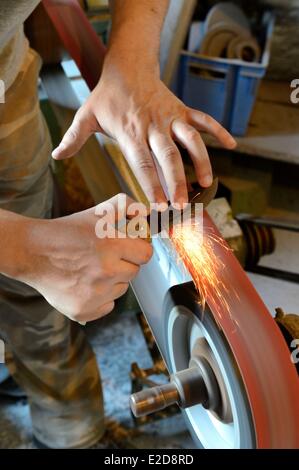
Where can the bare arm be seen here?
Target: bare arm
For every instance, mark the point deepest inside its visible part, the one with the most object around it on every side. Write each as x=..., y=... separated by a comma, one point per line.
x=135, y=34
x=133, y=106
x=78, y=273
x=14, y=243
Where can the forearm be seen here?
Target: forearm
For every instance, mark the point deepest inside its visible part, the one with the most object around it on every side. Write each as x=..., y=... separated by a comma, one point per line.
x=15, y=243
x=135, y=34
x=132, y=105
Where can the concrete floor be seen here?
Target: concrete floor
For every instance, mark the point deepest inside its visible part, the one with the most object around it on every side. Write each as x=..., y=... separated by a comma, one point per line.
x=117, y=341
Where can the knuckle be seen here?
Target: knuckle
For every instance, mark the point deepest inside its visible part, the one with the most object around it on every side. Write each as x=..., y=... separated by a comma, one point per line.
x=212, y=124
x=192, y=135
x=180, y=187
x=77, y=310
x=169, y=154
x=146, y=164
x=203, y=117
x=73, y=132
x=106, y=309
x=138, y=142
x=109, y=273
x=153, y=193
x=124, y=288
x=147, y=253
x=132, y=130
x=106, y=271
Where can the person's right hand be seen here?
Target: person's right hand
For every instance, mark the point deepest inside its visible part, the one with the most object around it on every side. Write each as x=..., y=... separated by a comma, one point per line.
x=133, y=106
x=77, y=273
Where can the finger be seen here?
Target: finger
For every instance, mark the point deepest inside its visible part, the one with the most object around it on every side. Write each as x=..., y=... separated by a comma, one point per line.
x=136, y=251
x=106, y=302
x=126, y=271
x=142, y=164
x=193, y=142
x=119, y=290
x=75, y=137
x=101, y=312
x=115, y=291
x=105, y=309
x=204, y=122
x=170, y=161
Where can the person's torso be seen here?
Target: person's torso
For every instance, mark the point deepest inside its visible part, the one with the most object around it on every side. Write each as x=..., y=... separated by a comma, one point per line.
x=13, y=45
x=13, y=13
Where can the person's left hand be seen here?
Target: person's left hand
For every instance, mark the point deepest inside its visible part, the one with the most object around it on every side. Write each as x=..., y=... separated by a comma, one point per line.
x=146, y=119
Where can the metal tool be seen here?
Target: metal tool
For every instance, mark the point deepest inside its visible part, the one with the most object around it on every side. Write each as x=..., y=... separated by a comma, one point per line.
x=158, y=221
x=198, y=196
x=192, y=386
x=171, y=215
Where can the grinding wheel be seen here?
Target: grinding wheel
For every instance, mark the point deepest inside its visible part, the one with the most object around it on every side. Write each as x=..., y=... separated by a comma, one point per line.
x=187, y=331
x=267, y=376
x=246, y=354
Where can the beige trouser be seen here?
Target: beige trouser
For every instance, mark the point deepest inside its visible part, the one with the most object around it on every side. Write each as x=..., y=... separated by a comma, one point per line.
x=47, y=354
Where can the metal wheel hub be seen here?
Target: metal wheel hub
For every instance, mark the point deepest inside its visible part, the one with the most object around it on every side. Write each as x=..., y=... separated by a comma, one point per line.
x=192, y=386
x=218, y=401
x=227, y=423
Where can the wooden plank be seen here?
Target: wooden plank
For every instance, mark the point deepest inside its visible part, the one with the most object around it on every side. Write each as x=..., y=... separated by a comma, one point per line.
x=273, y=131
x=275, y=92
x=91, y=159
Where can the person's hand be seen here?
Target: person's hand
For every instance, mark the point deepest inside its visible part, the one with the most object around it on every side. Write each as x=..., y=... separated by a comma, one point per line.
x=78, y=273
x=136, y=109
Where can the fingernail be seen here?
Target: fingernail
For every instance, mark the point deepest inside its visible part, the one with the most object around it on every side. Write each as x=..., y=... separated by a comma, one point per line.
x=207, y=180
x=181, y=204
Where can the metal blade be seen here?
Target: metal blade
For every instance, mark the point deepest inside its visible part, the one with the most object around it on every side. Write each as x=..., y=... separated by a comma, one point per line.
x=202, y=196
x=205, y=195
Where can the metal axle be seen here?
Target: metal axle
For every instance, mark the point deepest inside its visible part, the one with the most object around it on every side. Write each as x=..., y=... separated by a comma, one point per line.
x=188, y=387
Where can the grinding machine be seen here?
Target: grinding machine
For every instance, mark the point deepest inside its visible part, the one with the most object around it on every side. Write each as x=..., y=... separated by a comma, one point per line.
x=230, y=367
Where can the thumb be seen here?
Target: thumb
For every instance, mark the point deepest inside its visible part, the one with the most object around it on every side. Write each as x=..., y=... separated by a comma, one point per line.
x=73, y=139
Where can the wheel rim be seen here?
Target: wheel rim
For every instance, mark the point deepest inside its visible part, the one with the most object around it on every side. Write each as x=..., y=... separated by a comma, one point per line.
x=184, y=330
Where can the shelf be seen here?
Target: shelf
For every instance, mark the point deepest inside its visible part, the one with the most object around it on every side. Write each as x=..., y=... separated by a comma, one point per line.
x=273, y=131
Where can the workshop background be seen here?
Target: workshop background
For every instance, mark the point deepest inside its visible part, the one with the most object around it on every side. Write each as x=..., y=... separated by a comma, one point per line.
x=258, y=181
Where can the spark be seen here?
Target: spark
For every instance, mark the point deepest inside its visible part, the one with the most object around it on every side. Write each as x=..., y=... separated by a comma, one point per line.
x=196, y=249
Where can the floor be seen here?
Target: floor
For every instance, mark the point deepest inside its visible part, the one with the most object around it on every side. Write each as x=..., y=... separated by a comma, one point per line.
x=117, y=341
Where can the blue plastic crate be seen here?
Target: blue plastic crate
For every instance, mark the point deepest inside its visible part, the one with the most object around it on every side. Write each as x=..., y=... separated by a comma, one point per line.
x=230, y=92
